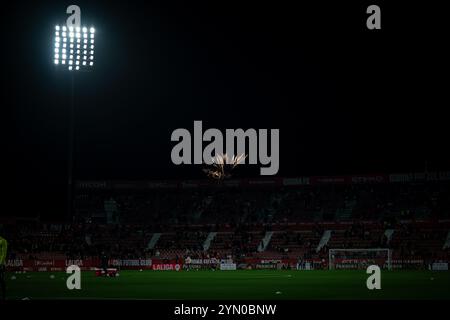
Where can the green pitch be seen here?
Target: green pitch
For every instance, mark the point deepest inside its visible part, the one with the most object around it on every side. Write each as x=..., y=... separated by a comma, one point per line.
x=256, y=284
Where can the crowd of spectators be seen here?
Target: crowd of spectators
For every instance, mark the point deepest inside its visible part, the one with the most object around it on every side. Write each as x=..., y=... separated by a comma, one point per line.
x=272, y=205
x=186, y=217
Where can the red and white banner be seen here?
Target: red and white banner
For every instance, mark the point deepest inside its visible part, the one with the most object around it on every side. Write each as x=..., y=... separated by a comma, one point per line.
x=131, y=264
x=167, y=266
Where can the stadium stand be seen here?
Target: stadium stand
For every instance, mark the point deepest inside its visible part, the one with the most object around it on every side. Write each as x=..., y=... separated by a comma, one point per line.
x=409, y=217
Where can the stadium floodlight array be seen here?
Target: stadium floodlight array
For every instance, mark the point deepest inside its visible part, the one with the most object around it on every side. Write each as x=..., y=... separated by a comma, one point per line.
x=74, y=47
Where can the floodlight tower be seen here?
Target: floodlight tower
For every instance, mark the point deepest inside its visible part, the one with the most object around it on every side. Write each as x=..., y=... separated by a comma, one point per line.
x=73, y=51
x=74, y=47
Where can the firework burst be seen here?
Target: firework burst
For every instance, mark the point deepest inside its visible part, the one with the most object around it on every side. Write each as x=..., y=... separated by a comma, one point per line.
x=222, y=166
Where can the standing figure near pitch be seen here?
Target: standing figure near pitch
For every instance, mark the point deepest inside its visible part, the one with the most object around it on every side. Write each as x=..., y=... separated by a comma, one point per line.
x=104, y=263
x=3, y=248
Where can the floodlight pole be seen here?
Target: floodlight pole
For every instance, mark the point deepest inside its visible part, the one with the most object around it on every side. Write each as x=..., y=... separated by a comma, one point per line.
x=71, y=149
x=72, y=67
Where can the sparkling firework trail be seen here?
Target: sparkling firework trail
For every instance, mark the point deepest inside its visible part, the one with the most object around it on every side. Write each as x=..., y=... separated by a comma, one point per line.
x=222, y=165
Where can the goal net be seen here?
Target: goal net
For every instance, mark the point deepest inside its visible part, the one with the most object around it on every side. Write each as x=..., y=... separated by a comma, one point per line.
x=359, y=258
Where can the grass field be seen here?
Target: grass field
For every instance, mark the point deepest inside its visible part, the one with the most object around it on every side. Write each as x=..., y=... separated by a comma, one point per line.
x=251, y=284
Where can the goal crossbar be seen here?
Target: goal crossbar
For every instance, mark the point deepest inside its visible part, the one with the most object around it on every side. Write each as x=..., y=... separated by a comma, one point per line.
x=389, y=254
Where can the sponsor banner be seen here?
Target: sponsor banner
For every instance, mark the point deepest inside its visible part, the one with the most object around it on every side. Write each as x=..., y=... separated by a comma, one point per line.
x=163, y=184
x=267, y=261
x=359, y=260
x=303, y=181
x=405, y=177
x=420, y=176
x=77, y=262
x=266, y=266
x=46, y=263
x=226, y=260
x=270, y=261
x=407, y=261
x=263, y=182
x=355, y=179
x=37, y=265
x=190, y=184
x=87, y=264
x=95, y=185
x=439, y=266
x=232, y=183
x=131, y=263
x=330, y=180
x=201, y=261
x=359, y=263
x=228, y=266
x=17, y=263
x=167, y=266
x=129, y=185
x=369, y=178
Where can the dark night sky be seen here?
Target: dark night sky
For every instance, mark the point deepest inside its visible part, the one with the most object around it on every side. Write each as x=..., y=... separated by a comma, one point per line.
x=346, y=99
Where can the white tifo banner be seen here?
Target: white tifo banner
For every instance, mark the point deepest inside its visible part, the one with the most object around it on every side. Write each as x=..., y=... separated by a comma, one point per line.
x=228, y=266
x=439, y=266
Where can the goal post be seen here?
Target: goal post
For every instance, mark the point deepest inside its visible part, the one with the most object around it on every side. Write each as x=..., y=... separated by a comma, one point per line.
x=359, y=258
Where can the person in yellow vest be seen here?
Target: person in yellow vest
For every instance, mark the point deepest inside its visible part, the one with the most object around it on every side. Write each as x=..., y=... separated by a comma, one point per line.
x=3, y=248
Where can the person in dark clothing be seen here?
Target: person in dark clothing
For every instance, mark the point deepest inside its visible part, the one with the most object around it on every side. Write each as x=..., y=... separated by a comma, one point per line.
x=104, y=263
